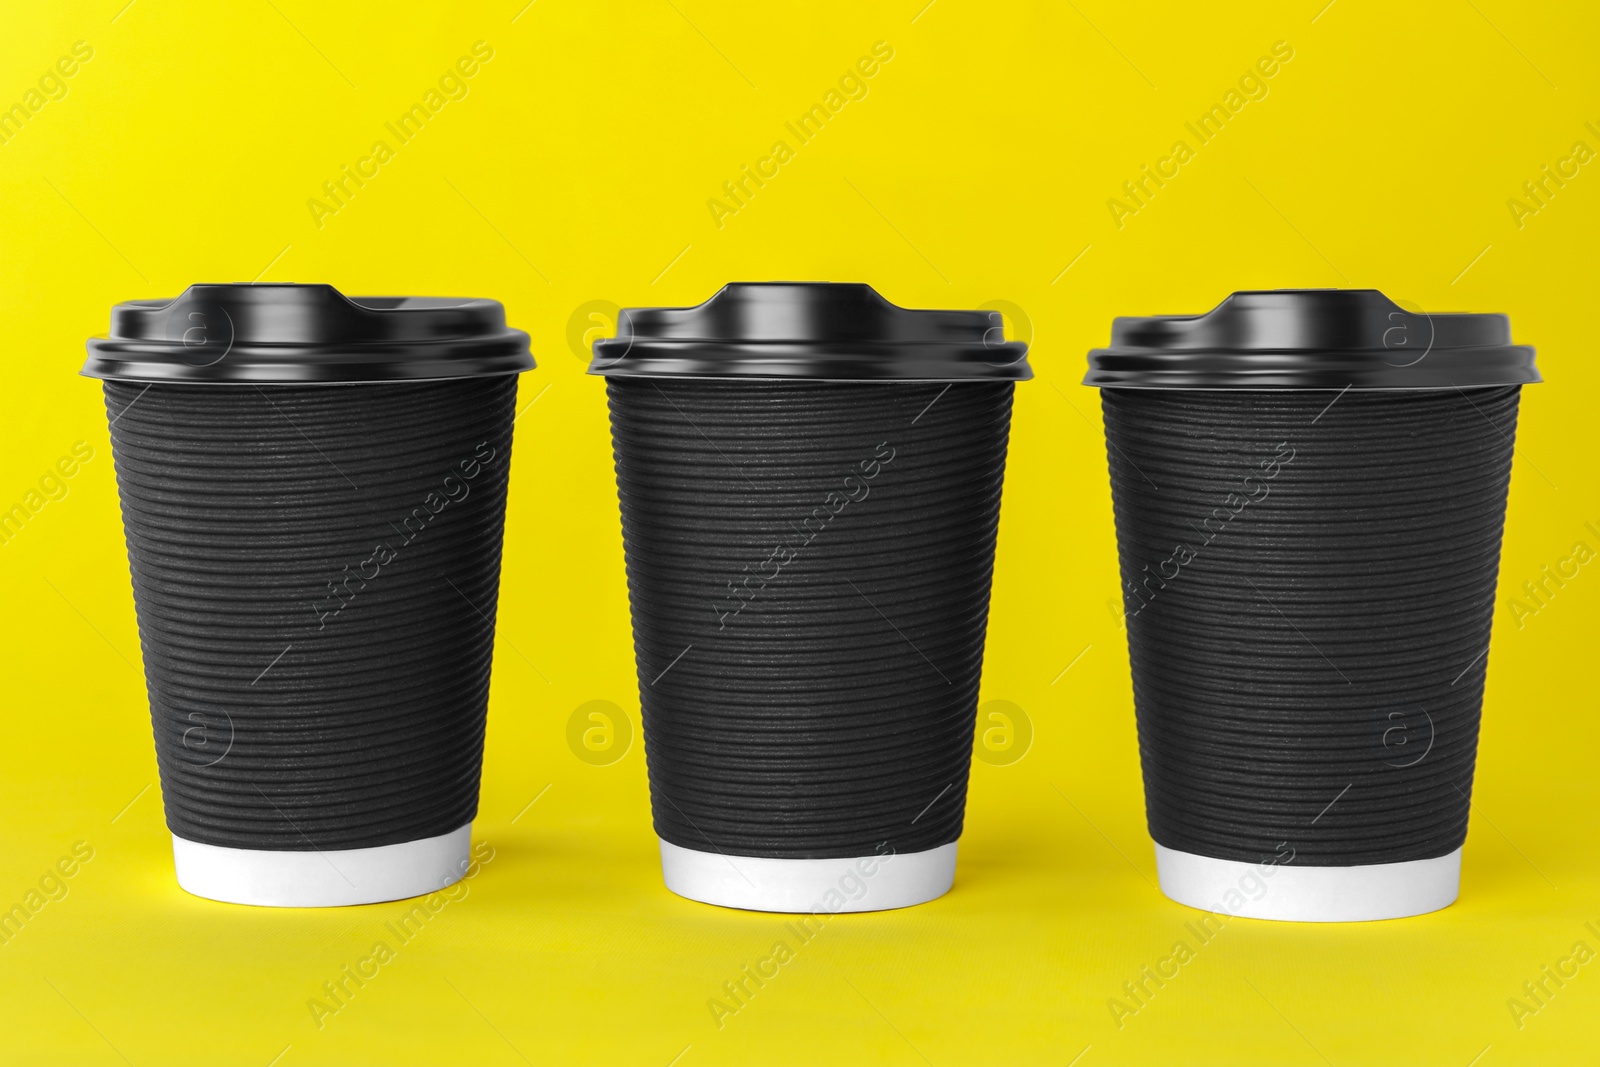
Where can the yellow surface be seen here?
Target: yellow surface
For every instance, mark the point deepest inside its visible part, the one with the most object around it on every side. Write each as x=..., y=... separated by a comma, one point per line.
x=575, y=174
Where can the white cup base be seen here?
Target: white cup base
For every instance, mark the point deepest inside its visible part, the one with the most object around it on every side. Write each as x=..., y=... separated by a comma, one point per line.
x=809, y=886
x=1297, y=893
x=325, y=879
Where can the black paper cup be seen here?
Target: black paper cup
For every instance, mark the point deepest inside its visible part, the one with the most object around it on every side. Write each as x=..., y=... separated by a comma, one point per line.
x=810, y=486
x=1310, y=488
x=313, y=493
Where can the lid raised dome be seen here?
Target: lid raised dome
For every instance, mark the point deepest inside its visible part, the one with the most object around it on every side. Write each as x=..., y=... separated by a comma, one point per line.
x=1311, y=339
x=305, y=333
x=814, y=330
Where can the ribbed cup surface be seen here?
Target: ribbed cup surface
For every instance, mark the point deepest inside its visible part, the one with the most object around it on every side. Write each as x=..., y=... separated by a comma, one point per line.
x=809, y=567
x=315, y=570
x=1309, y=581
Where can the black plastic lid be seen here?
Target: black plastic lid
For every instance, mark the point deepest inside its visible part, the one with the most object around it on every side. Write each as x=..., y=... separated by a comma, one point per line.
x=305, y=333
x=816, y=330
x=1311, y=339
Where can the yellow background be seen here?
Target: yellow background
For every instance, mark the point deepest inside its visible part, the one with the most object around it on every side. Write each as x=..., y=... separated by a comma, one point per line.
x=976, y=169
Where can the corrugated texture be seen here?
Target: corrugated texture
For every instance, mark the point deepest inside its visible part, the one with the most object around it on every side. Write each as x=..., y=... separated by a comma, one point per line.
x=309, y=689
x=1309, y=675
x=809, y=568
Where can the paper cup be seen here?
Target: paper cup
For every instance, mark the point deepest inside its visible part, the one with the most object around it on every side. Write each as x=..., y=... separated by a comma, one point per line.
x=313, y=493
x=1310, y=489
x=810, y=486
